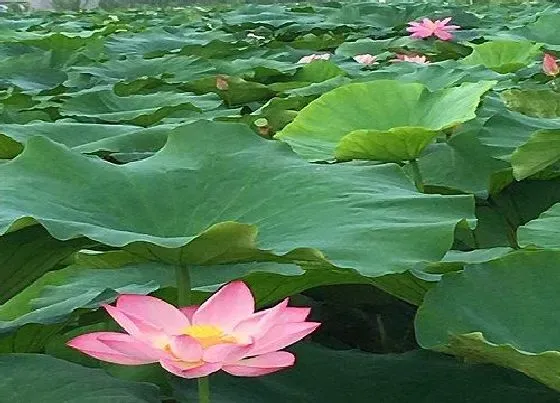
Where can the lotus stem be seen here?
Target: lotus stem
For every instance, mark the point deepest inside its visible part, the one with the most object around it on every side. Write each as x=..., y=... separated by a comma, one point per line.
x=203, y=390
x=183, y=278
x=416, y=175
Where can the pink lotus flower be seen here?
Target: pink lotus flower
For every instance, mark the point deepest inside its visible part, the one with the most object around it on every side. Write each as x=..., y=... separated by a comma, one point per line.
x=366, y=59
x=314, y=56
x=550, y=65
x=428, y=28
x=420, y=59
x=224, y=333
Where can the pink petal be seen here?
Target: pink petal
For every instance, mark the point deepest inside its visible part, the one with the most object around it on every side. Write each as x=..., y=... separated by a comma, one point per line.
x=153, y=311
x=444, y=36
x=134, y=326
x=445, y=20
x=118, y=348
x=186, y=348
x=414, y=24
x=262, y=364
x=189, y=311
x=294, y=314
x=190, y=370
x=550, y=65
x=230, y=305
x=261, y=322
x=226, y=352
x=282, y=335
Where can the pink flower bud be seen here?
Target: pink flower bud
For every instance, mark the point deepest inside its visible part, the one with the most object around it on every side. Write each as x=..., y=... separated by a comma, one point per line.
x=550, y=65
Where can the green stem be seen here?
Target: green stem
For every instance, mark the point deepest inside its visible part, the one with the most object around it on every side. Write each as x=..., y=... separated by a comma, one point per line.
x=183, y=278
x=416, y=175
x=203, y=390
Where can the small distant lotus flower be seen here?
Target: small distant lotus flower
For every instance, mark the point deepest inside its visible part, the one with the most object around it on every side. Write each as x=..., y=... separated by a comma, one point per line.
x=224, y=333
x=366, y=59
x=315, y=56
x=550, y=65
x=420, y=59
x=428, y=28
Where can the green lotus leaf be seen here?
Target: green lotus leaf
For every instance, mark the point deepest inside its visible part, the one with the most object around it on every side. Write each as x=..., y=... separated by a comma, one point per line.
x=436, y=76
x=393, y=145
x=31, y=72
x=103, y=105
x=503, y=130
x=318, y=71
x=463, y=164
x=379, y=106
x=157, y=41
x=542, y=30
x=536, y=103
x=84, y=137
x=214, y=183
x=503, y=56
x=37, y=377
x=422, y=377
x=27, y=254
x=500, y=312
x=541, y=151
x=171, y=69
x=544, y=231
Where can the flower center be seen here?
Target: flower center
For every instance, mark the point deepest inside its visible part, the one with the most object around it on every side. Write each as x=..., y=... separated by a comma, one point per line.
x=208, y=335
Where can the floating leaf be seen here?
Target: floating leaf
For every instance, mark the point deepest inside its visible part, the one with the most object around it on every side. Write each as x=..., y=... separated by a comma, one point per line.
x=34, y=377
x=391, y=109
x=500, y=311
x=503, y=56
x=355, y=215
x=419, y=375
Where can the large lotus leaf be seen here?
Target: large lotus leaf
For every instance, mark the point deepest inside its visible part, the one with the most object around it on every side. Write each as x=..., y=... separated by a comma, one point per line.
x=172, y=69
x=455, y=260
x=413, y=377
x=14, y=136
x=543, y=29
x=99, y=279
x=363, y=46
x=503, y=56
x=504, y=130
x=40, y=378
x=32, y=73
x=382, y=105
x=274, y=15
x=144, y=110
x=223, y=176
x=30, y=338
x=536, y=103
x=544, y=231
x=86, y=138
x=393, y=145
x=28, y=253
x=318, y=71
x=157, y=41
x=463, y=164
x=435, y=76
x=501, y=311
x=541, y=151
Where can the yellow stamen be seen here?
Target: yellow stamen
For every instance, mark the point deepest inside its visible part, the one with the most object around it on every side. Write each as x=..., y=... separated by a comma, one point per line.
x=208, y=335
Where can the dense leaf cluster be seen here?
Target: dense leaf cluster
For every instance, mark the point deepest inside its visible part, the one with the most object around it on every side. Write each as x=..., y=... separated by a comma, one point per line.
x=414, y=207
